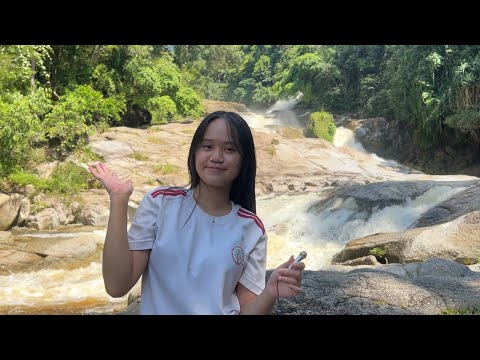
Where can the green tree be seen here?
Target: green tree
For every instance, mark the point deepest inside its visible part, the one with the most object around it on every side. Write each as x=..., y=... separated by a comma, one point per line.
x=360, y=67
x=23, y=66
x=74, y=116
x=20, y=127
x=207, y=68
x=316, y=77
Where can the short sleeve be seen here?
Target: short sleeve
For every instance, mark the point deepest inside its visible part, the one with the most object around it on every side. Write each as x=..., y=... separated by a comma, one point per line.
x=142, y=232
x=253, y=276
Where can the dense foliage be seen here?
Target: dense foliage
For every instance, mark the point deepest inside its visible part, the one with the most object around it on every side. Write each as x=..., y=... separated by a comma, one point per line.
x=55, y=96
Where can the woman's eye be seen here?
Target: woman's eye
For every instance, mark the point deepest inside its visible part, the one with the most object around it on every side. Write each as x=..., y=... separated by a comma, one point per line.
x=230, y=149
x=207, y=147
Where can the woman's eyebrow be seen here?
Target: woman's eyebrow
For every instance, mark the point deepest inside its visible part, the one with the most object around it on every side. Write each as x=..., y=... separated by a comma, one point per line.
x=229, y=142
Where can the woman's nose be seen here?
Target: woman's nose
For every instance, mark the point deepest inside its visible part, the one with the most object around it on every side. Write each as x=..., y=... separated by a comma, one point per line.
x=217, y=155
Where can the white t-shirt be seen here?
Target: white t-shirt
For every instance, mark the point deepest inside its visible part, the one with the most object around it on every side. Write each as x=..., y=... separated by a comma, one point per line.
x=195, y=265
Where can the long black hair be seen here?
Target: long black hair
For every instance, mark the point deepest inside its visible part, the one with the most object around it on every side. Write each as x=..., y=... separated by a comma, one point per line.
x=243, y=187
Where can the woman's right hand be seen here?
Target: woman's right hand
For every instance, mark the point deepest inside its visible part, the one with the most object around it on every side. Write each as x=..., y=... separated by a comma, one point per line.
x=111, y=181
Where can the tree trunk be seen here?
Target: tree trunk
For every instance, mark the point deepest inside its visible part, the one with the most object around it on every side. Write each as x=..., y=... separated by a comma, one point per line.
x=32, y=78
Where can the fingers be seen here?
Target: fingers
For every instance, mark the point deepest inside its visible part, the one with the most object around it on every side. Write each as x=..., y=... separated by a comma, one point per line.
x=289, y=280
x=297, y=266
x=296, y=290
x=292, y=264
x=100, y=169
x=95, y=168
x=287, y=263
x=291, y=286
x=93, y=171
x=101, y=172
x=103, y=168
x=290, y=274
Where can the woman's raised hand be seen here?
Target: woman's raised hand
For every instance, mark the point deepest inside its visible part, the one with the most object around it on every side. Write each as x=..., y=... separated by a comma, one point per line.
x=111, y=181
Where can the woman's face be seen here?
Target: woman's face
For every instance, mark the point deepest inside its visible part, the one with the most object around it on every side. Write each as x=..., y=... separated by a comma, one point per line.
x=217, y=160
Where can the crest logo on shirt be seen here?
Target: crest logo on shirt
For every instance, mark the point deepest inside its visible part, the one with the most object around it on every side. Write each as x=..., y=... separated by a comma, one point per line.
x=238, y=255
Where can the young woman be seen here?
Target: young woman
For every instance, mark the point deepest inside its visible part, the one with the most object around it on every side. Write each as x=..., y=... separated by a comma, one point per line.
x=201, y=250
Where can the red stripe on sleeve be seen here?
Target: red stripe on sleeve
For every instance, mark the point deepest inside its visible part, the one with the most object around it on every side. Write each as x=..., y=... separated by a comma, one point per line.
x=248, y=215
